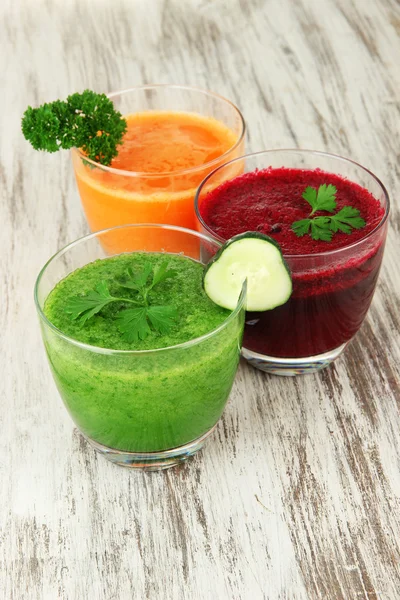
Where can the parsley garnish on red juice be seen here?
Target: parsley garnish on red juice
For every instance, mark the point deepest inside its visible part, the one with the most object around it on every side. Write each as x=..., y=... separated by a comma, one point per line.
x=323, y=227
x=87, y=121
x=134, y=323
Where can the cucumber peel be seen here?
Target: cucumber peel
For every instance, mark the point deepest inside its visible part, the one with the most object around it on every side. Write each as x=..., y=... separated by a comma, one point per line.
x=257, y=258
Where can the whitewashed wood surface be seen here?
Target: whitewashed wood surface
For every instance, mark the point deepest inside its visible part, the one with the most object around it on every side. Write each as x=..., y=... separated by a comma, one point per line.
x=297, y=495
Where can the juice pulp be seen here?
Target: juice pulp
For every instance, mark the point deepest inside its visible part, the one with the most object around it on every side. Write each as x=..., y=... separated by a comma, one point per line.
x=331, y=294
x=146, y=401
x=162, y=160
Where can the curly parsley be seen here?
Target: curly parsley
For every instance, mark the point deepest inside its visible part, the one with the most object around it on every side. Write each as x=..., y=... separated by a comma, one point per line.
x=87, y=121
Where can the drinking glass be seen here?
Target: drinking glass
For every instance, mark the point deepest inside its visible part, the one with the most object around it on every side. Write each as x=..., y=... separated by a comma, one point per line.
x=113, y=196
x=148, y=409
x=332, y=290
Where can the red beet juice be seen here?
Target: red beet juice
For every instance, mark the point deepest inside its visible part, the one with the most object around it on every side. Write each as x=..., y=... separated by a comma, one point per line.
x=333, y=282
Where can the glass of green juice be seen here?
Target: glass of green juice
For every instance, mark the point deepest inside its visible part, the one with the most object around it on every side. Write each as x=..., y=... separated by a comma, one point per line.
x=145, y=403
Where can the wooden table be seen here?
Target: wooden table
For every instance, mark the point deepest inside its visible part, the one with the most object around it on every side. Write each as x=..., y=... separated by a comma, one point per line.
x=297, y=495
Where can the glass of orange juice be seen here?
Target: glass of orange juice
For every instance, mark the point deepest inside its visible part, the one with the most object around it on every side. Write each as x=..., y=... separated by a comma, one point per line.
x=176, y=135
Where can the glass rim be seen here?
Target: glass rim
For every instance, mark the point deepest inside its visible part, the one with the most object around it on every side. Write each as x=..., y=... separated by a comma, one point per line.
x=297, y=151
x=101, y=350
x=180, y=171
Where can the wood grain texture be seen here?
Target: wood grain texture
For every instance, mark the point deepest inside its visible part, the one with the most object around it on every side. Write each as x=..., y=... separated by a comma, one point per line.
x=297, y=495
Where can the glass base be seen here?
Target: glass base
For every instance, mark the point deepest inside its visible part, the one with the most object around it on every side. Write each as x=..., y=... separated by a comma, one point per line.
x=151, y=461
x=292, y=366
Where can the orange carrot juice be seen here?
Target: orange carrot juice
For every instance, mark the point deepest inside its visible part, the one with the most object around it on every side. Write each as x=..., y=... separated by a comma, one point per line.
x=163, y=159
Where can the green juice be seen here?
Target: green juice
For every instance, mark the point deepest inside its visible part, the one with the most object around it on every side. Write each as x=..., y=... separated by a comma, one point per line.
x=154, y=394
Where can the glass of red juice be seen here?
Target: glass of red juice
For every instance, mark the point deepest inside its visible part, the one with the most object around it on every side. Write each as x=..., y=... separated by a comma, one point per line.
x=333, y=281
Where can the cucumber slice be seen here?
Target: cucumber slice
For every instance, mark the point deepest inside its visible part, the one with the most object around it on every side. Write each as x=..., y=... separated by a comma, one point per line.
x=257, y=258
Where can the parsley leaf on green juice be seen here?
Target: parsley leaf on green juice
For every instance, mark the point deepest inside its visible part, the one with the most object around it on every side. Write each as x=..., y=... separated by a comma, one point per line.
x=134, y=323
x=85, y=307
x=139, y=281
x=87, y=121
x=324, y=227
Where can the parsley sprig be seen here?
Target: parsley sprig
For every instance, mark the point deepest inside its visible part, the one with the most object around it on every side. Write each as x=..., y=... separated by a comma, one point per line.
x=88, y=121
x=134, y=323
x=324, y=227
